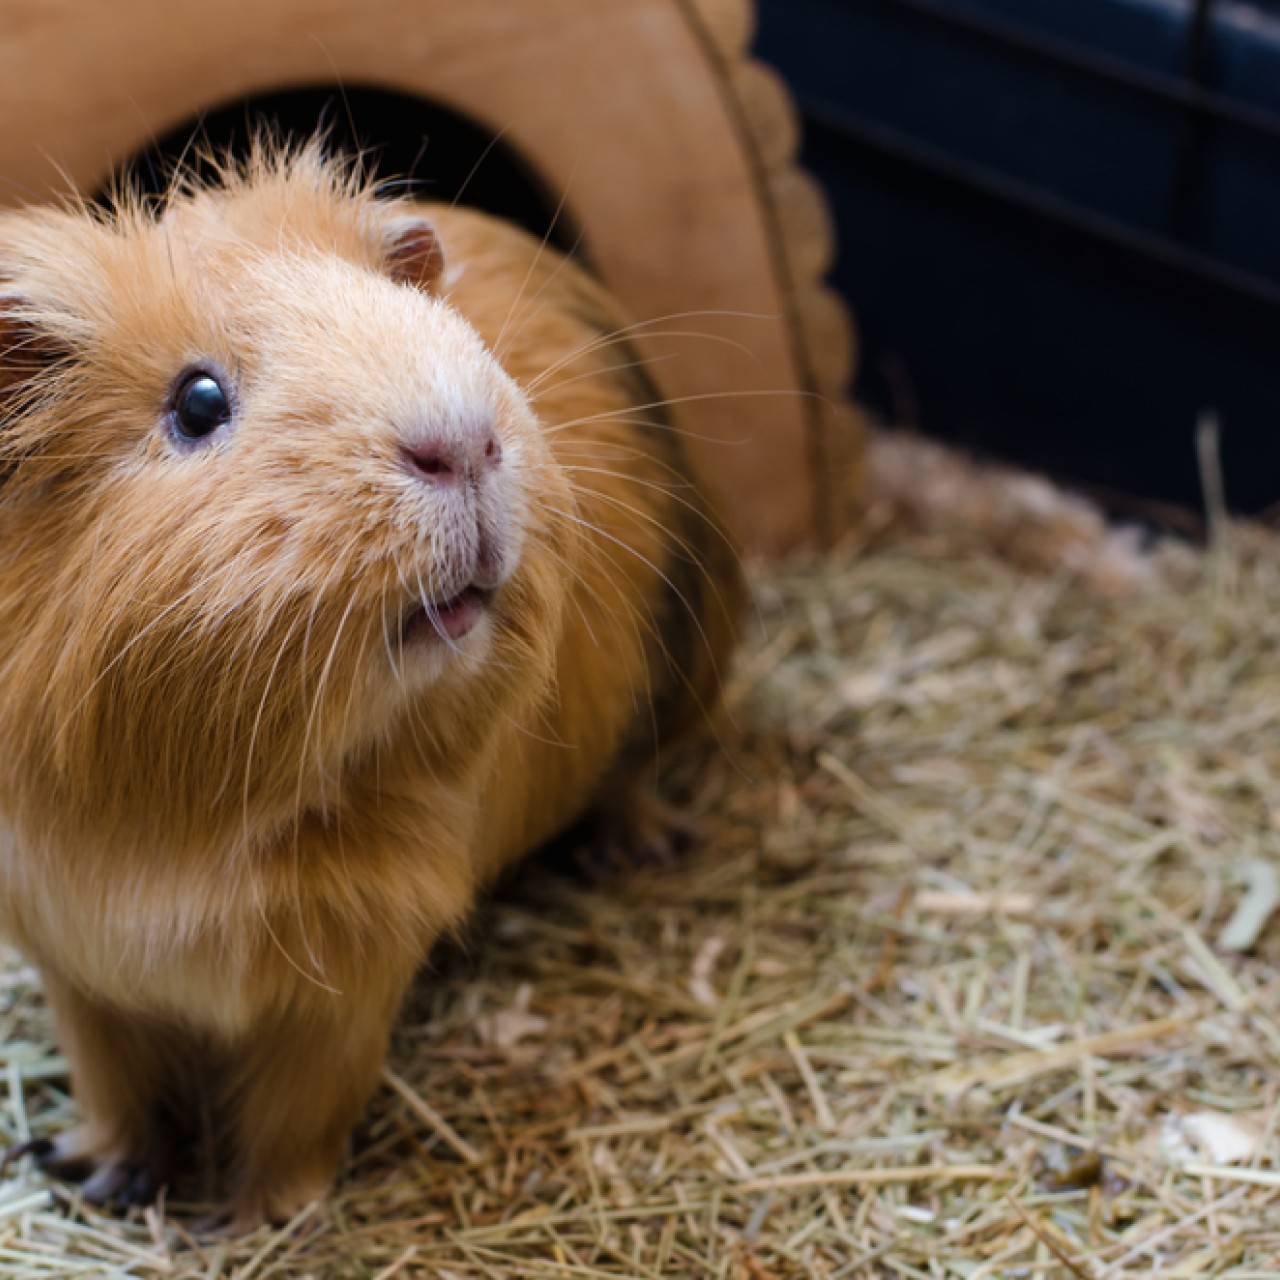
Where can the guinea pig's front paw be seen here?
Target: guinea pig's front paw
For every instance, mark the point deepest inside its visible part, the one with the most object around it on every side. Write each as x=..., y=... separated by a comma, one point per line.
x=298, y=1205
x=635, y=831
x=107, y=1175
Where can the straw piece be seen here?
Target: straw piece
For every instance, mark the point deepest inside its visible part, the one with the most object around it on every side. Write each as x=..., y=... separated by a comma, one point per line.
x=1026, y=1066
x=399, y=1264
x=1043, y=1232
x=432, y=1119
x=826, y=1121
x=878, y=1177
x=1232, y=1173
x=941, y=903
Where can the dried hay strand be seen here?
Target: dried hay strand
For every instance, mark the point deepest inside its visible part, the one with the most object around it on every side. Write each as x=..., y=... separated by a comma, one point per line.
x=942, y=995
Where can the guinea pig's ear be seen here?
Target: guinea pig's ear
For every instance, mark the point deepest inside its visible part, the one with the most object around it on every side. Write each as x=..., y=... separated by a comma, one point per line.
x=412, y=252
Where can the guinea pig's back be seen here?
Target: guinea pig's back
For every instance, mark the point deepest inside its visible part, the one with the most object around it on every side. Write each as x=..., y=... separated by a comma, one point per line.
x=652, y=619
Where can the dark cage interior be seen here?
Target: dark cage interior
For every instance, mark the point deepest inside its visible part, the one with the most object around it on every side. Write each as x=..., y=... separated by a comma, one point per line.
x=1059, y=223
x=418, y=148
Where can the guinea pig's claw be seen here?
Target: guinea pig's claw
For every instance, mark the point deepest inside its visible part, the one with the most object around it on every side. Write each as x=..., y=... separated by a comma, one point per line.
x=39, y=1148
x=247, y=1213
x=122, y=1181
x=216, y=1224
x=126, y=1183
x=51, y=1159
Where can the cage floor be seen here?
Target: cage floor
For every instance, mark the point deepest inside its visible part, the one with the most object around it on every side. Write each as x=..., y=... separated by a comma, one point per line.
x=971, y=976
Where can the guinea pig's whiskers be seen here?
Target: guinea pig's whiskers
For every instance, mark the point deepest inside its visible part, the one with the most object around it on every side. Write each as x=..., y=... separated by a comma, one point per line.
x=397, y=619
x=675, y=590
x=313, y=716
x=285, y=641
x=241, y=654
x=244, y=655
x=288, y=959
x=687, y=552
x=680, y=482
x=395, y=660
x=529, y=311
x=602, y=450
x=537, y=259
x=317, y=599
x=132, y=643
x=668, y=491
x=340, y=832
x=541, y=390
x=423, y=598
x=543, y=385
x=601, y=558
x=526, y=732
x=578, y=579
x=575, y=577
x=317, y=964
x=475, y=168
x=643, y=623
x=640, y=328
x=434, y=618
x=609, y=414
x=648, y=422
x=430, y=608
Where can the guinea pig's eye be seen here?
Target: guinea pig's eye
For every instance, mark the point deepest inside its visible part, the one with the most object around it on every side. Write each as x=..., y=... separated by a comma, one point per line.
x=200, y=405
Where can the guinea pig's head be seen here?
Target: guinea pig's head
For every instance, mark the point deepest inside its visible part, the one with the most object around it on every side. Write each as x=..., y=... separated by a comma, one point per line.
x=267, y=504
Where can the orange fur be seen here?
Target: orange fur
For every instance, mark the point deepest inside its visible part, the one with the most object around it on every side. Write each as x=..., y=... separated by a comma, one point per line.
x=241, y=808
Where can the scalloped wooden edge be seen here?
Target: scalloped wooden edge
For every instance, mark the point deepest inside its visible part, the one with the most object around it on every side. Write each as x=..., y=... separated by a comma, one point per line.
x=731, y=24
x=769, y=111
x=805, y=252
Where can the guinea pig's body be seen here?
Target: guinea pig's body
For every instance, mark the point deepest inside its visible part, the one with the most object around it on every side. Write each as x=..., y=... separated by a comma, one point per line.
x=333, y=578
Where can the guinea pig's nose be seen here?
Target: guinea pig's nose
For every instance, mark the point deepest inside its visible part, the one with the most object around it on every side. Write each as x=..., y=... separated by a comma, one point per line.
x=442, y=460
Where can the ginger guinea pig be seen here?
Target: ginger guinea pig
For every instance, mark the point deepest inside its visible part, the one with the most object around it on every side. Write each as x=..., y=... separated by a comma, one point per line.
x=345, y=556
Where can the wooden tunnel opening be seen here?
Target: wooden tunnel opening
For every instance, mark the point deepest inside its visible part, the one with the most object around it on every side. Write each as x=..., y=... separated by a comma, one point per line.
x=418, y=147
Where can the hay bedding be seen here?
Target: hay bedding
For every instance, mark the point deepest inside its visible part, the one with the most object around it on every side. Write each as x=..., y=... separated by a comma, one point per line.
x=950, y=992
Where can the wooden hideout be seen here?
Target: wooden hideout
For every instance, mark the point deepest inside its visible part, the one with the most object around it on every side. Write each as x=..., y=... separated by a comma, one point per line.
x=672, y=151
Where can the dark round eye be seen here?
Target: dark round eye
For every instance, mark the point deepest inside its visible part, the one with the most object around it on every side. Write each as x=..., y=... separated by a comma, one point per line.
x=200, y=406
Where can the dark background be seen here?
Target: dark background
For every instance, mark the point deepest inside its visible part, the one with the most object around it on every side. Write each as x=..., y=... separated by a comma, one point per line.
x=1059, y=224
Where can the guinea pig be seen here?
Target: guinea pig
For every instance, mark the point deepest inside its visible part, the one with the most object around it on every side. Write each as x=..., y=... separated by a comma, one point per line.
x=346, y=555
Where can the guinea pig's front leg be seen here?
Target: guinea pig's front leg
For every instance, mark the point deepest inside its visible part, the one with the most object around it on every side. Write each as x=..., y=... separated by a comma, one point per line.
x=299, y=1087
x=121, y=1070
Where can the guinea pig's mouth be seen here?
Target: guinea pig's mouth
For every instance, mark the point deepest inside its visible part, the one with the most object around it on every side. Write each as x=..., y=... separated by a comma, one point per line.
x=443, y=621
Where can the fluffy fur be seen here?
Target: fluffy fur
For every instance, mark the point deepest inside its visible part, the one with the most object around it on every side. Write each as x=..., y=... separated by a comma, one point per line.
x=241, y=804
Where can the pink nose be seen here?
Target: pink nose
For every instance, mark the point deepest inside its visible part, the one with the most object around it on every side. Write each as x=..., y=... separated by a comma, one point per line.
x=441, y=460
